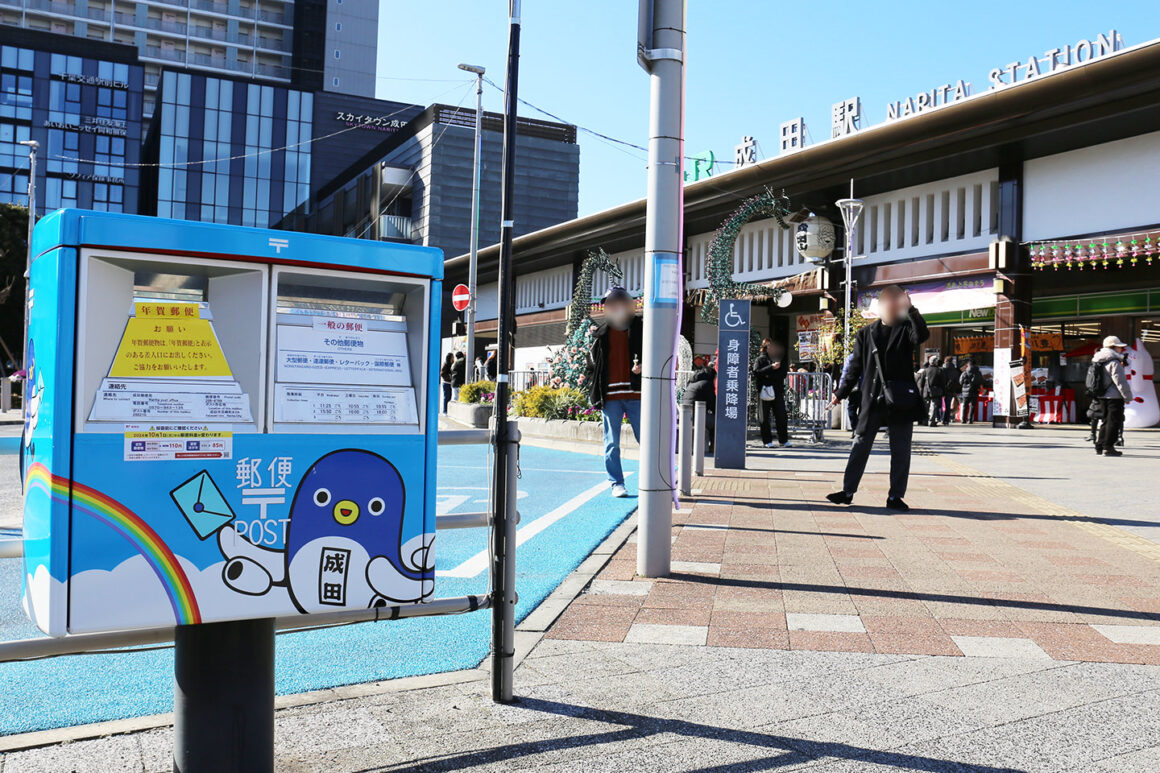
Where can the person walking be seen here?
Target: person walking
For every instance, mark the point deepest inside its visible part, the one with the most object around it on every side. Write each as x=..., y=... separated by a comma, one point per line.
x=701, y=389
x=445, y=378
x=769, y=371
x=930, y=383
x=883, y=364
x=1110, y=359
x=614, y=377
x=970, y=382
x=950, y=374
x=458, y=374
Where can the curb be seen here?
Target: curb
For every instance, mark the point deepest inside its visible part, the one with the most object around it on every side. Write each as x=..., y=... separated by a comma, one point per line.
x=528, y=635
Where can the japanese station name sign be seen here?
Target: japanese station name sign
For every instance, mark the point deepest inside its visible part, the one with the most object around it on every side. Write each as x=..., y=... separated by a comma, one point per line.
x=846, y=116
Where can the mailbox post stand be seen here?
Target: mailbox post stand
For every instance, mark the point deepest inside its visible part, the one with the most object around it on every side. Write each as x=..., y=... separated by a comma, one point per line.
x=223, y=697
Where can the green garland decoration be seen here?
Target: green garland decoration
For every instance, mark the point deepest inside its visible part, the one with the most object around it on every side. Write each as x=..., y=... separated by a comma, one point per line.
x=580, y=306
x=719, y=267
x=569, y=365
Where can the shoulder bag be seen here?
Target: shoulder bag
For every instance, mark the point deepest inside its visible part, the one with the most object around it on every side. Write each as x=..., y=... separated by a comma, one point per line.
x=899, y=398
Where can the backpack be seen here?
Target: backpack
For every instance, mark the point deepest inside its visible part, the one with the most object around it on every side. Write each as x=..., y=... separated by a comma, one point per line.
x=1097, y=381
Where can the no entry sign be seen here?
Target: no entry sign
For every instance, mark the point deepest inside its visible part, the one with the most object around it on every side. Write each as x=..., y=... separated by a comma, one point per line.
x=460, y=297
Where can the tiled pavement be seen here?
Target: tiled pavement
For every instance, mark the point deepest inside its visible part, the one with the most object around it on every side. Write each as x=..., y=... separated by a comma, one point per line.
x=979, y=567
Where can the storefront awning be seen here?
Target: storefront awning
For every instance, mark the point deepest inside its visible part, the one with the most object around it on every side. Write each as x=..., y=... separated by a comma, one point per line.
x=938, y=297
x=805, y=283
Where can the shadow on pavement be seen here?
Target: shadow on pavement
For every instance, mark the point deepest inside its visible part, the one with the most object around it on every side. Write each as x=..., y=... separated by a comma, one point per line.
x=737, y=582
x=791, y=751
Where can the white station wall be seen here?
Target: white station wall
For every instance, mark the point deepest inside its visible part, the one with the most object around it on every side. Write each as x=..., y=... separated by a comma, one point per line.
x=1101, y=188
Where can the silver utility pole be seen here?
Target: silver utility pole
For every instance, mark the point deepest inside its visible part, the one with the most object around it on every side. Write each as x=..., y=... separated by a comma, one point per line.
x=32, y=146
x=476, y=171
x=660, y=51
x=851, y=209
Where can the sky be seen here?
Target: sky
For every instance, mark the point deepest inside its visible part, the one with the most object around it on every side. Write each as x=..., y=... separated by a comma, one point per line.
x=751, y=65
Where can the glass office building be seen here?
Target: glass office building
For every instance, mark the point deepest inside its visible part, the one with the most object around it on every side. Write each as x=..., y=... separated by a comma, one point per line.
x=228, y=151
x=81, y=101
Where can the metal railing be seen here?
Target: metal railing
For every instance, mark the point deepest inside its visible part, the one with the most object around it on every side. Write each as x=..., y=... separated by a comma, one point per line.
x=806, y=398
x=503, y=659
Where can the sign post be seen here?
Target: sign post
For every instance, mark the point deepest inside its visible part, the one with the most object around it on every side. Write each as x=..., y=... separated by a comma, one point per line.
x=732, y=384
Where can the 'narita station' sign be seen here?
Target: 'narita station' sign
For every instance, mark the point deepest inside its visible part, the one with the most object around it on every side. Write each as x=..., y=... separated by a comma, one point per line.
x=846, y=115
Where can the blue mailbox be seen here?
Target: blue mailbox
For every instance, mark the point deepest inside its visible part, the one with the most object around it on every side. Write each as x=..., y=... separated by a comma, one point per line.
x=225, y=423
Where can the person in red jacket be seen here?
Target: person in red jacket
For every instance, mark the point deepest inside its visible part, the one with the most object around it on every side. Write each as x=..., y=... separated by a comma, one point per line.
x=614, y=377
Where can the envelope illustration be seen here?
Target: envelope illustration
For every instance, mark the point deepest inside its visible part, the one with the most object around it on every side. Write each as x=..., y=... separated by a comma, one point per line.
x=202, y=504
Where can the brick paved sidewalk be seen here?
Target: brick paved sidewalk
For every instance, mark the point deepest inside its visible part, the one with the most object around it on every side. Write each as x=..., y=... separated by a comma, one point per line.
x=979, y=567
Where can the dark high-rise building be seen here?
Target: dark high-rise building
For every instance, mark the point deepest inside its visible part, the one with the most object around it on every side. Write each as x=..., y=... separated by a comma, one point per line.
x=426, y=177
x=81, y=100
x=230, y=150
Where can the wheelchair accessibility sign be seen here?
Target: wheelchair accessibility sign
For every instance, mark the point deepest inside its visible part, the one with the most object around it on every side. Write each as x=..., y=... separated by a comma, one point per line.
x=170, y=442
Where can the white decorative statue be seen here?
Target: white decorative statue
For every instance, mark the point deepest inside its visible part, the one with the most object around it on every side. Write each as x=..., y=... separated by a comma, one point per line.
x=1142, y=410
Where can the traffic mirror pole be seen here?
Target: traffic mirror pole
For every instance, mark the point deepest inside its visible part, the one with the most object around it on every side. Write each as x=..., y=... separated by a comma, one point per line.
x=660, y=50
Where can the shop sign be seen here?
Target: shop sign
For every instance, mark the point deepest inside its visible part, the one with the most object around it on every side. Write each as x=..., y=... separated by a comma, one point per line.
x=973, y=344
x=940, y=296
x=1045, y=342
x=1001, y=377
x=806, y=322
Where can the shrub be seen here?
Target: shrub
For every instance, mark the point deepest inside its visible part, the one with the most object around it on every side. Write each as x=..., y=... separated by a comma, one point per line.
x=477, y=392
x=547, y=402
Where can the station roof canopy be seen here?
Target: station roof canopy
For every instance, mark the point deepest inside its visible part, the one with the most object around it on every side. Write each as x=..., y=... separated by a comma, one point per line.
x=1106, y=99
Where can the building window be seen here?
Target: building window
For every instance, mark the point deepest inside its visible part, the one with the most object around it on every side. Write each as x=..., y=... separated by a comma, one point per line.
x=338, y=26
x=335, y=81
x=337, y=54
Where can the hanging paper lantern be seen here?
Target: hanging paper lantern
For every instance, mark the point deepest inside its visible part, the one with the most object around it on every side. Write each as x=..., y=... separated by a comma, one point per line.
x=1056, y=258
x=1148, y=248
x=1068, y=255
x=1135, y=251
x=814, y=238
x=1105, y=255
x=1121, y=253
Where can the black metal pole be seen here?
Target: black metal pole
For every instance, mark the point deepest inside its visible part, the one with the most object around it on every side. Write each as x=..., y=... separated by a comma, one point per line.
x=502, y=651
x=223, y=697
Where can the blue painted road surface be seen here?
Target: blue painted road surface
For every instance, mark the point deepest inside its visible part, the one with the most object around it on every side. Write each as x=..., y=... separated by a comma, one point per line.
x=566, y=512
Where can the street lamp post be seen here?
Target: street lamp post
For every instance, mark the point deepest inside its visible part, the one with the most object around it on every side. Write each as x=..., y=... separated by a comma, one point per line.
x=469, y=312
x=851, y=210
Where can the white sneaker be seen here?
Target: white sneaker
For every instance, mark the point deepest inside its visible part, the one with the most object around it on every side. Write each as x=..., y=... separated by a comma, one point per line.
x=619, y=491
x=771, y=445
x=787, y=444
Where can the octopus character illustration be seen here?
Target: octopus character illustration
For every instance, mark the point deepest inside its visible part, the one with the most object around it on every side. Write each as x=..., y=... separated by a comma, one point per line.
x=344, y=544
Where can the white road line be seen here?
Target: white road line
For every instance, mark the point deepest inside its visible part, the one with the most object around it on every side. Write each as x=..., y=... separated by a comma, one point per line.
x=477, y=564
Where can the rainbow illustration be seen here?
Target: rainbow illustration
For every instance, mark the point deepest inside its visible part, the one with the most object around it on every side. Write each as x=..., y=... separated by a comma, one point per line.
x=130, y=526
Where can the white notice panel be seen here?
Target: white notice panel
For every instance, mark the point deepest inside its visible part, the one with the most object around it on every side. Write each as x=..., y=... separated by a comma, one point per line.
x=135, y=399
x=305, y=404
x=317, y=355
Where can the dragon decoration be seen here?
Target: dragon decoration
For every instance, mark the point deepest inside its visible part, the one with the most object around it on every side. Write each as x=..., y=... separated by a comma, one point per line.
x=569, y=365
x=719, y=261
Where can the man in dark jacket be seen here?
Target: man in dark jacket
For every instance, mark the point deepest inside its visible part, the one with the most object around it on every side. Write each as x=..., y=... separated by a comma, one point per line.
x=614, y=377
x=950, y=374
x=458, y=373
x=891, y=341
x=701, y=390
x=930, y=383
x=969, y=385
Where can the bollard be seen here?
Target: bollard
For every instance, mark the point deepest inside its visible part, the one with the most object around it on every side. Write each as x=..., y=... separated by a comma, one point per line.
x=5, y=394
x=699, y=429
x=223, y=697
x=685, y=437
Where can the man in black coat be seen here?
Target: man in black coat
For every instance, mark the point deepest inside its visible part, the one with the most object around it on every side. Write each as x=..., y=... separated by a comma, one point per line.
x=891, y=341
x=701, y=390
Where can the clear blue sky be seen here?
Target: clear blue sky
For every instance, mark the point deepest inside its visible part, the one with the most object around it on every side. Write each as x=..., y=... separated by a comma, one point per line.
x=752, y=64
